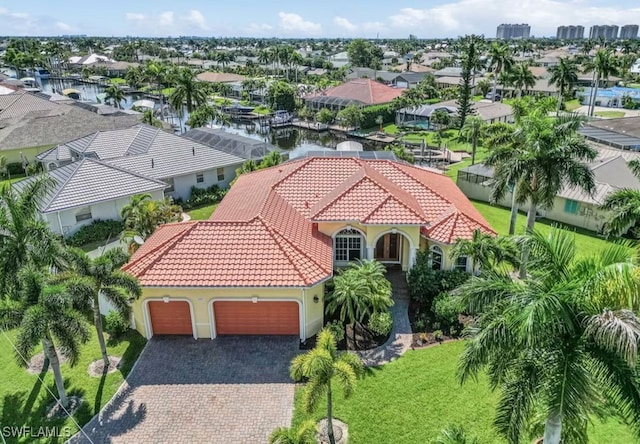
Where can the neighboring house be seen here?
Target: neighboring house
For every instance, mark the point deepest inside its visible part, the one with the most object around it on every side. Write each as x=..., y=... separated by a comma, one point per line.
x=219, y=77
x=489, y=111
x=408, y=79
x=32, y=123
x=235, y=144
x=90, y=59
x=89, y=190
x=368, y=73
x=359, y=92
x=621, y=133
x=153, y=153
x=571, y=206
x=421, y=115
x=610, y=97
x=260, y=263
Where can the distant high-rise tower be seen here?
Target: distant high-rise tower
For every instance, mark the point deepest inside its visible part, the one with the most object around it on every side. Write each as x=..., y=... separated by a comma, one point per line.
x=629, y=32
x=508, y=31
x=609, y=32
x=570, y=32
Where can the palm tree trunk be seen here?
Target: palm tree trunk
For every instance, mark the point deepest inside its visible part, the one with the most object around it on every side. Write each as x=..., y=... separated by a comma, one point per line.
x=531, y=220
x=514, y=212
x=50, y=352
x=553, y=430
x=97, y=321
x=355, y=342
x=593, y=95
x=495, y=87
x=332, y=439
x=474, y=146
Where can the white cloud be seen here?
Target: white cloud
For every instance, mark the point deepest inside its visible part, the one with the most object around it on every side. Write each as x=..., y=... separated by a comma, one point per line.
x=166, y=19
x=196, y=18
x=62, y=26
x=482, y=16
x=22, y=23
x=294, y=24
x=259, y=28
x=344, y=23
x=134, y=16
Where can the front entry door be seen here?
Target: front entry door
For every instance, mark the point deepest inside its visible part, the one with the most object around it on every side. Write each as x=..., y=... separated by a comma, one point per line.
x=388, y=248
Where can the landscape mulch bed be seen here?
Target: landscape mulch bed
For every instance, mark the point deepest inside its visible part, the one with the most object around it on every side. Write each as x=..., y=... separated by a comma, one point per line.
x=365, y=339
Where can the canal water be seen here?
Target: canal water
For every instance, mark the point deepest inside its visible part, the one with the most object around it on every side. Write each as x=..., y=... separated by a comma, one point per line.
x=296, y=140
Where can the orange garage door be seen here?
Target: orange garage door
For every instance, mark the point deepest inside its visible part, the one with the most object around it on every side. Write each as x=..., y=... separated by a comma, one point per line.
x=170, y=318
x=261, y=318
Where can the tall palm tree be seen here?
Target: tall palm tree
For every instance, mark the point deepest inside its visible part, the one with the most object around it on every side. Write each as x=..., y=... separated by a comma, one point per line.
x=86, y=279
x=473, y=130
x=24, y=237
x=500, y=60
x=272, y=159
x=564, y=76
x=52, y=319
x=486, y=251
x=188, y=91
x=624, y=206
x=149, y=118
x=542, y=157
x=521, y=77
x=304, y=433
x=114, y=95
x=560, y=344
x=323, y=366
x=603, y=65
x=156, y=72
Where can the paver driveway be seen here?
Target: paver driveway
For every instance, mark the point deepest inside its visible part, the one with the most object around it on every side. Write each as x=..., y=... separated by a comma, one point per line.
x=233, y=389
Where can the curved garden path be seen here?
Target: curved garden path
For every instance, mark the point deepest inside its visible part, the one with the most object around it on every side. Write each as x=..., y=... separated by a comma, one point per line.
x=401, y=336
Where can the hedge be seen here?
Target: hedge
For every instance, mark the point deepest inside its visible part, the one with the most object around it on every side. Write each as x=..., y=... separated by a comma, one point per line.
x=370, y=113
x=97, y=231
x=201, y=196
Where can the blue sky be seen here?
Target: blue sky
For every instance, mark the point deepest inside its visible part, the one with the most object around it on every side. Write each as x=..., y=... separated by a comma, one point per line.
x=321, y=18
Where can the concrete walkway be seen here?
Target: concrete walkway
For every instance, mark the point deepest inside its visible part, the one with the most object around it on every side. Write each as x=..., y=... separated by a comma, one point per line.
x=401, y=336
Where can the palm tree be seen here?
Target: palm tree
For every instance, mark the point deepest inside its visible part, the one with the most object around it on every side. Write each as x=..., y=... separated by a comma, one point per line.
x=522, y=78
x=454, y=434
x=142, y=215
x=272, y=159
x=3, y=166
x=114, y=95
x=321, y=367
x=500, y=60
x=473, y=130
x=441, y=119
x=305, y=433
x=484, y=86
x=25, y=238
x=157, y=73
x=564, y=76
x=86, y=279
x=560, y=344
x=149, y=118
x=52, y=319
x=542, y=156
x=604, y=64
x=624, y=206
x=188, y=91
x=486, y=251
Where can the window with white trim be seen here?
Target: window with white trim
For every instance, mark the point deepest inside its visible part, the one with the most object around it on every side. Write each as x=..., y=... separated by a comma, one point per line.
x=220, y=172
x=461, y=263
x=172, y=186
x=436, y=257
x=84, y=213
x=199, y=177
x=348, y=245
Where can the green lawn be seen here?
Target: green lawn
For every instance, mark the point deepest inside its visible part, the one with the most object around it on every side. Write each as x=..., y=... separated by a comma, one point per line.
x=449, y=139
x=413, y=398
x=572, y=105
x=611, y=114
x=452, y=170
x=23, y=399
x=118, y=81
x=13, y=179
x=261, y=109
x=587, y=242
x=202, y=213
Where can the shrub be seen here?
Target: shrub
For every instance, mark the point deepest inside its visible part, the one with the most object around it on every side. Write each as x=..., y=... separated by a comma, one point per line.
x=15, y=168
x=204, y=196
x=437, y=335
x=99, y=230
x=446, y=310
x=451, y=279
x=381, y=322
x=324, y=116
x=370, y=113
x=337, y=329
x=115, y=324
x=422, y=279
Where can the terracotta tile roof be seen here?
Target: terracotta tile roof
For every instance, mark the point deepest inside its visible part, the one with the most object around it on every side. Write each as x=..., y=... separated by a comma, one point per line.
x=264, y=232
x=366, y=91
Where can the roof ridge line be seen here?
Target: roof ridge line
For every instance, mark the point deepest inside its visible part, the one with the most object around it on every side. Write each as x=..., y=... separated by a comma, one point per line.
x=124, y=170
x=133, y=139
x=174, y=239
x=275, y=235
x=406, y=173
x=304, y=162
x=53, y=197
x=341, y=194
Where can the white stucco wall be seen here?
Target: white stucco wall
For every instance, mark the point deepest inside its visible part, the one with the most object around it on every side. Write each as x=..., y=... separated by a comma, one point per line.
x=183, y=184
x=66, y=222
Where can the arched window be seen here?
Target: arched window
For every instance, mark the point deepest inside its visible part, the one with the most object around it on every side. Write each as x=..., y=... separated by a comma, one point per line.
x=461, y=263
x=436, y=257
x=52, y=166
x=348, y=245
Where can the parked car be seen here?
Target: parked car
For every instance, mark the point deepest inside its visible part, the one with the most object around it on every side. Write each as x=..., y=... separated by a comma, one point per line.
x=490, y=97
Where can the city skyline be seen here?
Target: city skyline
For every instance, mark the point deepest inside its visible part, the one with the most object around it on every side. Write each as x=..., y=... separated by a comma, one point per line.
x=295, y=19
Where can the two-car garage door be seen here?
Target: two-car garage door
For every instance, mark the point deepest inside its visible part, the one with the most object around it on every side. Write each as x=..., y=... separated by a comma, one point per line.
x=230, y=318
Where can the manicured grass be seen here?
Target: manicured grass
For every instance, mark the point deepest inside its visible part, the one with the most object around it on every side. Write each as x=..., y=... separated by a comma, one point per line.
x=202, y=213
x=572, y=105
x=390, y=128
x=477, y=98
x=13, y=179
x=611, y=114
x=452, y=170
x=449, y=139
x=23, y=399
x=167, y=91
x=413, y=398
x=118, y=81
x=261, y=109
x=587, y=243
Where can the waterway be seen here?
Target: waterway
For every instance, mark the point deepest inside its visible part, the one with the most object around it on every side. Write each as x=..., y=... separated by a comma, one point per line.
x=295, y=140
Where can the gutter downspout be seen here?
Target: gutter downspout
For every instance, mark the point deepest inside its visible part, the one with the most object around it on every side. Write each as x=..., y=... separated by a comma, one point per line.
x=304, y=316
x=60, y=223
